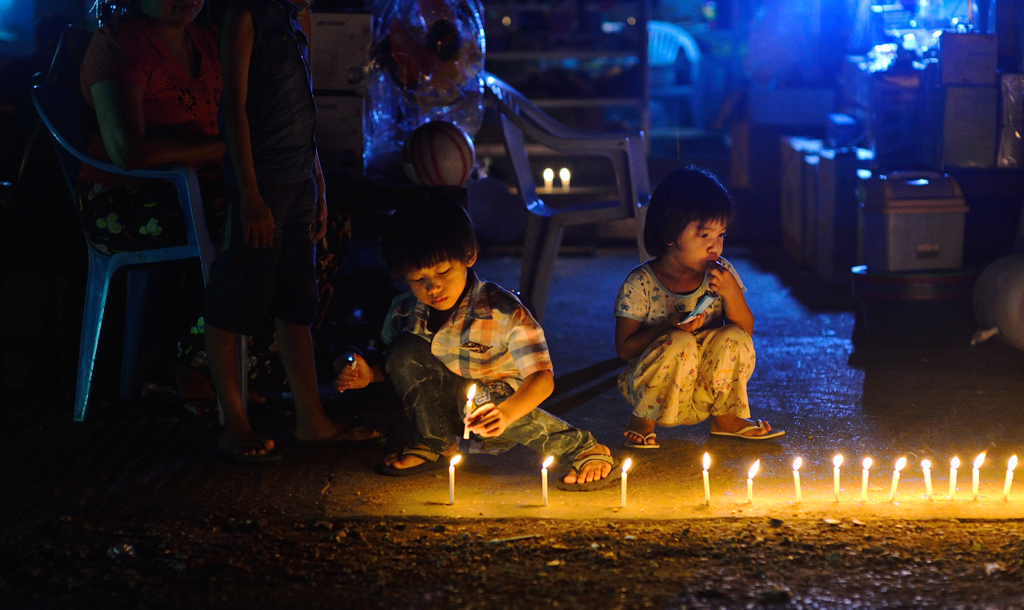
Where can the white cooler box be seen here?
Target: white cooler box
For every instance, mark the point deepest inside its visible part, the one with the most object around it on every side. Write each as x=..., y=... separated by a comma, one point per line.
x=913, y=221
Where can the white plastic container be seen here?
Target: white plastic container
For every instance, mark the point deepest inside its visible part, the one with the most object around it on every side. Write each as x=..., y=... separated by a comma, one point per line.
x=913, y=221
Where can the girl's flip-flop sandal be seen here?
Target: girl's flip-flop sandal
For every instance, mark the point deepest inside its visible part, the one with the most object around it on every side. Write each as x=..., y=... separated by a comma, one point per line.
x=644, y=444
x=743, y=433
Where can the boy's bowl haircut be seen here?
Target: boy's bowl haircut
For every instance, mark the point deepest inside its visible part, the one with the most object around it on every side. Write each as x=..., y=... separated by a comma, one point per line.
x=421, y=235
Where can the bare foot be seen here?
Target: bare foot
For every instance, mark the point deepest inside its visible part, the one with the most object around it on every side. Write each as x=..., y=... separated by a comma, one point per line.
x=731, y=423
x=335, y=431
x=245, y=444
x=592, y=471
x=396, y=461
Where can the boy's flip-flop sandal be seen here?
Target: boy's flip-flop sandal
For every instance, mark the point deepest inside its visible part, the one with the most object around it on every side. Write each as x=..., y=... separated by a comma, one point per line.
x=433, y=462
x=232, y=454
x=341, y=441
x=613, y=476
x=742, y=433
x=632, y=444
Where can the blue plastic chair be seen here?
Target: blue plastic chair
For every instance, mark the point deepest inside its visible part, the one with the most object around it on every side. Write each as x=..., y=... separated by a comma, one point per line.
x=61, y=111
x=520, y=118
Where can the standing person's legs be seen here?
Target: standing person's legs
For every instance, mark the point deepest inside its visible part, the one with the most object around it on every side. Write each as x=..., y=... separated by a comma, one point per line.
x=293, y=306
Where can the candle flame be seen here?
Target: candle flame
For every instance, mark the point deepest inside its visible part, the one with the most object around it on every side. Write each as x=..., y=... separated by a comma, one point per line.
x=837, y=461
x=471, y=392
x=926, y=464
x=563, y=174
x=900, y=463
x=549, y=174
x=707, y=461
x=797, y=463
x=455, y=459
x=753, y=469
x=548, y=461
x=954, y=463
x=1010, y=465
x=978, y=461
x=626, y=464
x=867, y=463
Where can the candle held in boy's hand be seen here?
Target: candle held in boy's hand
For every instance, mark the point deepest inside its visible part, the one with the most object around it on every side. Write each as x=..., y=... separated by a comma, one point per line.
x=469, y=405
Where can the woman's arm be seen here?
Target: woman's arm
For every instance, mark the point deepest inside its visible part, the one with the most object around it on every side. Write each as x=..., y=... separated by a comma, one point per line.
x=237, y=36
x=123, y=129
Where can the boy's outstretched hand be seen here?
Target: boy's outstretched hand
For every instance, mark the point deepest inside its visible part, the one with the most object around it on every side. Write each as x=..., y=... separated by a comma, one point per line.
x=354, y=377
x=487, y=421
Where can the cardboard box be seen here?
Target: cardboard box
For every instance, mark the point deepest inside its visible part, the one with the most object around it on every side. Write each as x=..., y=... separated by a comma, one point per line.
x=959, y=127
x=809, y=211
x=967, y=59
x=339, y=51
x=339, y=135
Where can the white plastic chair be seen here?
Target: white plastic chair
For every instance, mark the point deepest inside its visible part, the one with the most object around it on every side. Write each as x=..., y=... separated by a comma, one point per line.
x=61, y=111
x=664, y=42
x=627, y=152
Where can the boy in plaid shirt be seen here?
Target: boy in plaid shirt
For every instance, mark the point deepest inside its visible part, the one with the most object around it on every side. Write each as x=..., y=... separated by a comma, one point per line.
x=453, y=330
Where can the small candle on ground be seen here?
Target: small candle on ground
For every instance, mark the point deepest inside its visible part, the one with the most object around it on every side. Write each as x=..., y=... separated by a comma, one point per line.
x=707, y=482
x=451, y=477
x=1010, y=466
x=469, y=408
x=953, y=465
x=976, y=473
x=544, y=478
x=750, y=481
x=549, y=179
x=563, y=174
x=625, y=470
x=926, y=466
x=796, y=476
x=864, y=479
x=837, y=461
x=900, y=463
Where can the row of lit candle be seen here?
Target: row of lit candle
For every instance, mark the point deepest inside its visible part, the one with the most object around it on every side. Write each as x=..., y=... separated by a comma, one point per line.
x=900, y=464
x=549, y=179
x=837, y=462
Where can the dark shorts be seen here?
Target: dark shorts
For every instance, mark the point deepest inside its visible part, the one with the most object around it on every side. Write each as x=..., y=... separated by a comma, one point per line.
x=246, y=284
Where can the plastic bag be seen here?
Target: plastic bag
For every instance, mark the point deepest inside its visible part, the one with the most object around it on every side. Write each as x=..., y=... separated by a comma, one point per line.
x=426, y=64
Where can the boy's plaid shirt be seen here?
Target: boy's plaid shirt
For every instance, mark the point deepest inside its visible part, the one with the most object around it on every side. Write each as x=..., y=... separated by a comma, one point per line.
x=491, y=336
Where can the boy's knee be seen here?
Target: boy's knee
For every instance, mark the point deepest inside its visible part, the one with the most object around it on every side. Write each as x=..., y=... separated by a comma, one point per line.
x=405, y=350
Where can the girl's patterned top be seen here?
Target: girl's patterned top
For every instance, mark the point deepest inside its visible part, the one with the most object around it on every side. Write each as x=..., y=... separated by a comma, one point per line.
x=490, y=336
x=174, y=103
x=643, y=297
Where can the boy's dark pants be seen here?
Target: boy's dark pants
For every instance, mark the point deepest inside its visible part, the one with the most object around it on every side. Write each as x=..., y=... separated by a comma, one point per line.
x=434, y=399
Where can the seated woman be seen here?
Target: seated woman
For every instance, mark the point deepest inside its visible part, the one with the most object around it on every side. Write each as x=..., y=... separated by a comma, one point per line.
x=154, y=79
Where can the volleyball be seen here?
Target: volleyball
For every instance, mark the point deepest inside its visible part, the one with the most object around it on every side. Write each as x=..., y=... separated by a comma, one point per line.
x=438, y=153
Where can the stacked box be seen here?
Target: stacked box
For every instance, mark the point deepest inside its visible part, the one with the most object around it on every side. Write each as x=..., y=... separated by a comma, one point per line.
x=1010, y=149
x=809, y=211
x=791, y=195
x=339, y=55
x=837, y=211
x=913, y=221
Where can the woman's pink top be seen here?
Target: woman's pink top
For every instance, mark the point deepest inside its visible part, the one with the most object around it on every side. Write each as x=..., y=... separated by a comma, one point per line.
x=130, y=51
